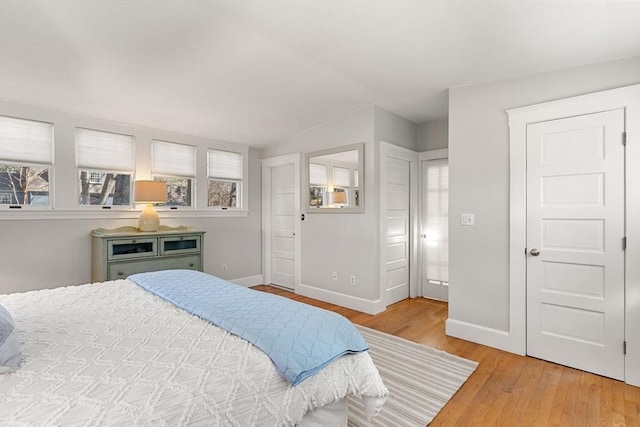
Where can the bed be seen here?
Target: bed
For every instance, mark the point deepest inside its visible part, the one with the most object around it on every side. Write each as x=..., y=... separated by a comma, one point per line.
x=114, y=353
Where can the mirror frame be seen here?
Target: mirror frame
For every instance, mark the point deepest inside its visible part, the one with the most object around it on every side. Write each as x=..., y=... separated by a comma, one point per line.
x=306, y=196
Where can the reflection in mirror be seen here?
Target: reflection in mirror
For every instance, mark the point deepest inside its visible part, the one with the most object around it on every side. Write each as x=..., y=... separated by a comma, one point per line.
x=334, y=179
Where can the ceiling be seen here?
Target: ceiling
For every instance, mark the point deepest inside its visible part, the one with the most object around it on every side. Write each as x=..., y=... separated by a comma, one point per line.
x=256, y=72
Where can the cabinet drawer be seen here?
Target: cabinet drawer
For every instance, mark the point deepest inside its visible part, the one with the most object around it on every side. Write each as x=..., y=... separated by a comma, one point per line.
x=120, y=270
x=179, y=244
x=131, y=248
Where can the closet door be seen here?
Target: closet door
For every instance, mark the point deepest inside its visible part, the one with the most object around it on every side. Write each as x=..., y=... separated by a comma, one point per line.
x=575, y=230
x=283, y=233
x=280, y=223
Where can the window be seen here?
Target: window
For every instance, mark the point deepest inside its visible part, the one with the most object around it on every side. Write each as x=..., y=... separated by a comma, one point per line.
x=317, y=184
x=225, y=179
x=342, y=184
x=5, y=198
x=436, y=200
x=95, y=178
x=106, y=162
x=174, y=164
x=356, y=187
x=26, y=158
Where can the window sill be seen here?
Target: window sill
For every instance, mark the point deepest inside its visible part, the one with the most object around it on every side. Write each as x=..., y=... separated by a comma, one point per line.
x=50, y=214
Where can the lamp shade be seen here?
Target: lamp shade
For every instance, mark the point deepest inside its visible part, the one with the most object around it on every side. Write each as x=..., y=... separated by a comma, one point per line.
x=150, y=191
x=337, y=197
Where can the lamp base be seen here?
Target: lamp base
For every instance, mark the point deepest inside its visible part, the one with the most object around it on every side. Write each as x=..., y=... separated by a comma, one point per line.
x=149, y=219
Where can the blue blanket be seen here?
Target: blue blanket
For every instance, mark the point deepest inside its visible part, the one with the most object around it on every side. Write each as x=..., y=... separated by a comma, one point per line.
x=299, y=339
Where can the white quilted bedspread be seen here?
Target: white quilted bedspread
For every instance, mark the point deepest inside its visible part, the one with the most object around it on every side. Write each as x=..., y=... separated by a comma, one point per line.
x=113, y=354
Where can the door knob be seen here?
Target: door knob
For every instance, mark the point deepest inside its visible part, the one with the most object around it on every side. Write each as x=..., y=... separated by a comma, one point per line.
x=534, y=252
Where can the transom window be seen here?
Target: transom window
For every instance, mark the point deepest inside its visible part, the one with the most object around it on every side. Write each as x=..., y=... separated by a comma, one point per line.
x=26, y=160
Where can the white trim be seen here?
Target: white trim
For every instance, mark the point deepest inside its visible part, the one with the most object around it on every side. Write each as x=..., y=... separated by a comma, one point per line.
x=477, y=333
x=632, y=266
x=94, y=212
x=248, y=281
x=441, y=153
x=348, y=301
x=627, y=98
x=387, y=150
x=267, y=165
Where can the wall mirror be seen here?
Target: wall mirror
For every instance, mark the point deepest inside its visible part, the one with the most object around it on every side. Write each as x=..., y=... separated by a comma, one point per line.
x=334, y=180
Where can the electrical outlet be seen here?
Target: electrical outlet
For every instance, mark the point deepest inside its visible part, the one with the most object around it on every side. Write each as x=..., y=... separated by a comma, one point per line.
x=334, y=275
x=353, y=280
x=224, y=267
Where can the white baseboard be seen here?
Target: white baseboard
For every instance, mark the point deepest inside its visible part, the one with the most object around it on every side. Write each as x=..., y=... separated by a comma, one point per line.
x=482, y=335
x=249, y=281
x=348, y=301
x=433, y=291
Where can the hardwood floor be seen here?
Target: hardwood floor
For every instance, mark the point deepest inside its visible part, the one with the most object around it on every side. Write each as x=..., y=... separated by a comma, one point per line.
x=506, y=389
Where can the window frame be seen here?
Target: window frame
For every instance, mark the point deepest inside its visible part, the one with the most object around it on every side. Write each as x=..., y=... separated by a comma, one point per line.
x=192, y=178
x=115, y=171
x=64, y=171
x=240, y=190
x=20, y=164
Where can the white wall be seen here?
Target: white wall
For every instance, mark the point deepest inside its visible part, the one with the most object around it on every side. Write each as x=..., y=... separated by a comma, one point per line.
x=346, y=243
x=433, y=135
x=394, y=129
x=343, y=243
x=479, y=180
x=44, y=253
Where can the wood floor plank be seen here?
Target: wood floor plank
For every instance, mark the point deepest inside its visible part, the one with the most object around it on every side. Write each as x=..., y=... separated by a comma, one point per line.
x=506, y=389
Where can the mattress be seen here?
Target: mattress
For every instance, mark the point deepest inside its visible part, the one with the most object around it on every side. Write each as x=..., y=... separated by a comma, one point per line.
x=114, y=354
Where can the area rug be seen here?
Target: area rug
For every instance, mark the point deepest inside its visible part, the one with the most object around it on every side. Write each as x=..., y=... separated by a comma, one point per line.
x=421, y=380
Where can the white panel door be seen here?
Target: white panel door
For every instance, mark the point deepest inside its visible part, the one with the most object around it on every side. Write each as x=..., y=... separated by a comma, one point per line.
x=435, y=229
x=575, y=227
x=397, y=230
x=283, y=226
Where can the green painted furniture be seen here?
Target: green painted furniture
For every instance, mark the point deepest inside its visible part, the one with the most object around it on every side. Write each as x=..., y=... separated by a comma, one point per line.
x=123, y=251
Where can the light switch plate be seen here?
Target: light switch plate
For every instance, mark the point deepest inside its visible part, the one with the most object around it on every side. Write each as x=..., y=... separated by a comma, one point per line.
x=467, y=219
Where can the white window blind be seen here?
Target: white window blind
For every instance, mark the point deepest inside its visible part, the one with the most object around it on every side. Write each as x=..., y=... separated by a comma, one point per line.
x=317, y=174
x=436, y=198
x=224, y=165
x=341, y=177
x=26, y=141
x=173, y=159
x=104, y=150
x=356, y=179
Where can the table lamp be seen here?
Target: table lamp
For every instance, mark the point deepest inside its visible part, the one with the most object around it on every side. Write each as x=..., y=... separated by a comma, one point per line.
x=149, y=192
x=337, y=197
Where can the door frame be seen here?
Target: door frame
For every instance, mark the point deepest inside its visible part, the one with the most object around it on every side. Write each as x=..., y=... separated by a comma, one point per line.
x=391, y=150
x=267, y=165
x=438, y=154
x=627, y=98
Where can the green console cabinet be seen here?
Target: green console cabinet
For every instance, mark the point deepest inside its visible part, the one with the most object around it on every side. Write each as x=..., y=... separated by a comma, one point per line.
x=123, y=251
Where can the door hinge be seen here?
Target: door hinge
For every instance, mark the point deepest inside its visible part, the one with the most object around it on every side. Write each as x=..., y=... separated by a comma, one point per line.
x=624, y=138
x=624, y=347
x=624, y=243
